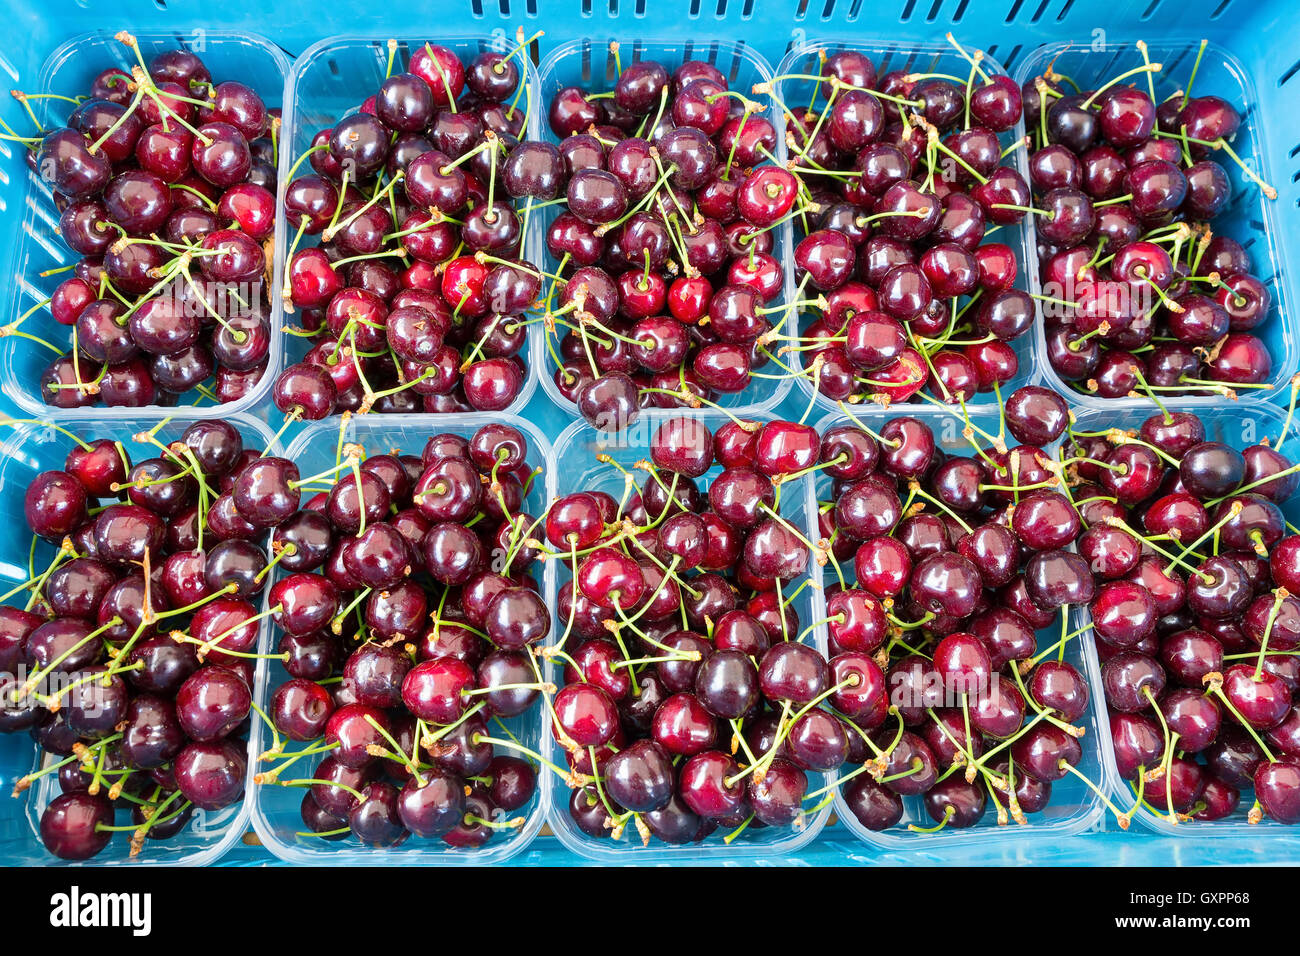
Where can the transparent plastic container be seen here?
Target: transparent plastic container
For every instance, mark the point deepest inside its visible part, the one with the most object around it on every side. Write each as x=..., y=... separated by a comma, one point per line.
x=578, y=446
x=914, y=57
x=330, y=80
x=588, y=63
x=69, y=71
x=27, y=451
x=1251, y=218
x=1240, y=428
x=275, y=808
x=1073, y=807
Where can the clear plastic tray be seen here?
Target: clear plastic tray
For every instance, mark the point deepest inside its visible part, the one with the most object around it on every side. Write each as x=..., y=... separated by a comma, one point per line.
x=27, y=451
x=1238, y=427
x=330, y=79
x=577, y=446
x=588, y=63
x=917, y=58
x=1074, y=807
x=69, y=71
x=275, y=809
x=1251, y=218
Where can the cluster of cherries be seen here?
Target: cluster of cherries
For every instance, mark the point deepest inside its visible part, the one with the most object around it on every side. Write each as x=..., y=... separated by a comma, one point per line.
x=902, y=177
x=666, y=268
x=131, y=661
x=164, y=181
x=1194, y=615
x=408, y=616
x=952, y=564
x=1144, y=297
x=692, y=698
x=414, y=298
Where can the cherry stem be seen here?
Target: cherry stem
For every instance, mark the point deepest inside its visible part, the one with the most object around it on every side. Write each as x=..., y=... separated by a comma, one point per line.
x=948, y=813
x=1196, y=65
x=1216, y=688
x=1121, y=818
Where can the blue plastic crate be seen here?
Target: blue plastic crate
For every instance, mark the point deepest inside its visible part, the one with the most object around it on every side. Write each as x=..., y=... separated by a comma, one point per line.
x=1261, y=35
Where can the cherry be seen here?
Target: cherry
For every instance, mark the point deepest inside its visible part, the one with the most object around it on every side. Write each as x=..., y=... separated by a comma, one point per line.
x=55, y=505
x=211, y=774
x=874, y=806
x=300, y=709
x=1056, y=578
x=727, y=684
x=432, y=804
x=703, y=785
x=955, y=801
x=1263, y=703
x=433, y=690
x=1277, y=784
x=586, y=715
x=1128, y=677
x=683, y=726
x=946, y=583
x=793, y=672
x=1123, y=613
x=640, y=777
x=1185, y=781
x=71, y=825
x=211, y=703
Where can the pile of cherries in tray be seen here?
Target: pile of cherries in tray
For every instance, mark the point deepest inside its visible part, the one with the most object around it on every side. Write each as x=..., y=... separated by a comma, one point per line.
x=952, y=564
x=407, y=616
x=413, y=299
x=1146, y=297
x=902, y=178
x=164, y=180
x=690, y=700
x=1194, y=616
x=665, y=243
x=130, y=662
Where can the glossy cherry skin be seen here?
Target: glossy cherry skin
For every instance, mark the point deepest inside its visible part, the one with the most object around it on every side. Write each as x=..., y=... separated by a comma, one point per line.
x=1042, y=751
x=1132, y=681
x=300, y=709
x=703, y=785
x=433, y=690
x=1261, y=703
x=70, y=825
x=1123, y=613
x=211, y=703
x=683, y=726
x=793, y=672
x=1277, y=787
x=640, y=777
x=586, y=715
x=211, y=774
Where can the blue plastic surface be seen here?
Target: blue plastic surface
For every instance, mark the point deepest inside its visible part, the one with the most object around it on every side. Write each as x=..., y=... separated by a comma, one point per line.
x=1261, y=34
